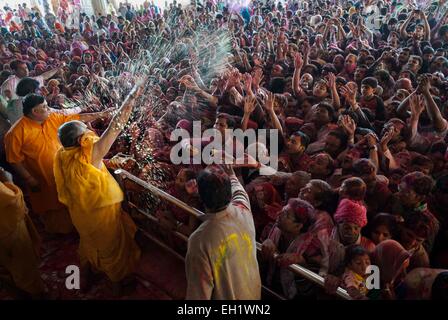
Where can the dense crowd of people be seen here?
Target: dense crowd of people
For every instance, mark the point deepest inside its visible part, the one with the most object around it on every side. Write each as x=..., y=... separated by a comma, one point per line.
x=357, y=91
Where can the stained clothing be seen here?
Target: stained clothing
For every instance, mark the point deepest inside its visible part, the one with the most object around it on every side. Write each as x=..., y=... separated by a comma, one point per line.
x=221, y=262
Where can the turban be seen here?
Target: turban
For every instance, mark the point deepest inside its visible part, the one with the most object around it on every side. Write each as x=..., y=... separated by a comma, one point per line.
x=350, y=211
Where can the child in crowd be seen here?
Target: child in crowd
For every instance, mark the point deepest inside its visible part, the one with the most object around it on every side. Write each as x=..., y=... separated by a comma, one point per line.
x=354, y=278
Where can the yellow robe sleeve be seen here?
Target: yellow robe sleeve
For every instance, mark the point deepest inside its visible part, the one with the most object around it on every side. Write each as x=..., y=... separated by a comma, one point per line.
x=12, y=208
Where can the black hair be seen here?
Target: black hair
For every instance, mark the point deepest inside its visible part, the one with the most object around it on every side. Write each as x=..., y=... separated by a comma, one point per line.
x=353, y=251
x=439, y=289
x=304, y=139
x=15, y=64
x=27, y=85
x=189, y=174
x=229, y=120
x=370, y=81
x=341, y=136
x=277, y=85
x=384, y=219
x=418, y=223
x=442, y=184
x=214, y=189
x=30, y=101
x=330, y=110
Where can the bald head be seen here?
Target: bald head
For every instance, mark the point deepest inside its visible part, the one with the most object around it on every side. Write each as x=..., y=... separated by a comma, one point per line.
x=69, y=133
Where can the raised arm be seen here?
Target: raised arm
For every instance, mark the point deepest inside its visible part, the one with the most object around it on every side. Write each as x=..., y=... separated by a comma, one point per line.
x=239, y=194
x=341, y=32
x=385, y=149
x=417, y=106
x=189, y=82
x=47, y=75
x=88, y=117
x=373, y=149
x=269, y=106
x=298, y=63
x=426, y=26
x=439, y=123
x=336, y=101
x=102, y=147
x=403, y=33
x=249, y=107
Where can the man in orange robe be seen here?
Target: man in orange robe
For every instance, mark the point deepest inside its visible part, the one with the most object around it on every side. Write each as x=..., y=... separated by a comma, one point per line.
x=19, y=241
x=94, y=198
x=31, y=145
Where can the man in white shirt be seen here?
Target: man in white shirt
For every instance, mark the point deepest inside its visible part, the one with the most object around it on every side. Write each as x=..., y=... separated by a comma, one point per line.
x=20, y=68
x=221, y=262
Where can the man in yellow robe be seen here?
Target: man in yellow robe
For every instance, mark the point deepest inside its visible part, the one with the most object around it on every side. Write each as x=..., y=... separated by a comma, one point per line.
x=94, y=197
x=31, y=145
x=19, y=241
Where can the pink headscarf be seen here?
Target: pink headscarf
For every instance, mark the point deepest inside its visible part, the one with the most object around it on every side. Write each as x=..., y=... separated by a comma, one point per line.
x=350, y=211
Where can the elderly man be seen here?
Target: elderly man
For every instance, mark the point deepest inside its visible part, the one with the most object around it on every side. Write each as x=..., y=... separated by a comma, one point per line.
x=94, y=198
x=19, y=240
x=31, y=145
x=221, y=260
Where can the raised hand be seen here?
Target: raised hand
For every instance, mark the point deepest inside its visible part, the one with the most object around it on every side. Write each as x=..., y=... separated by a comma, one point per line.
x=349, y=94
x=269, y=102
x=371, y=139
x=386, y=138
x=424, y=85
x=331, y=80
x=298, y=60
x=249, y=104
x=247, y=78
x=416, y=104
x=189, y=82
x=348, y=125
x=258, y=77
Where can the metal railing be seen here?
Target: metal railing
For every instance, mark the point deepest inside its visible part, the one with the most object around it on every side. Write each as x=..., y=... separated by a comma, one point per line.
x=297, y=269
